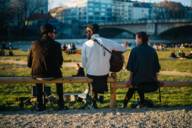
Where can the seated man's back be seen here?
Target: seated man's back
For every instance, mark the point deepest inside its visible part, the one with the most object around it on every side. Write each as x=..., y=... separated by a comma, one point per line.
x=45, y=58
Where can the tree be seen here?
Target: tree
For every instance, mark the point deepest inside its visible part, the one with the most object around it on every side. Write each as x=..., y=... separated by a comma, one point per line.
x=6, y=17
x=24, y=9
x=173, y=9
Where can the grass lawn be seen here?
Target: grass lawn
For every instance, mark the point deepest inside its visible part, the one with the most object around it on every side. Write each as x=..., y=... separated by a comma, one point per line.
x=170, y=96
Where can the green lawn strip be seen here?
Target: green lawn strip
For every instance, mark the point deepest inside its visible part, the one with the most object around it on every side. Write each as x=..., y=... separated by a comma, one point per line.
x=170, y=96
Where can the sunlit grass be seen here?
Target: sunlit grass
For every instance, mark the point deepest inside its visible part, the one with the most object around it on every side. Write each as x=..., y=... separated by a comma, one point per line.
x=170, y=96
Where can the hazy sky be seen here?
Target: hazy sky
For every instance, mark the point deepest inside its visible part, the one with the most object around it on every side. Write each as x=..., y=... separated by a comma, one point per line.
x=56, y=3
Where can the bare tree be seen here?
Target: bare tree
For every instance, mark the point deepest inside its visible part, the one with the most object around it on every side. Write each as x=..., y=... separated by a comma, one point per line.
x=24, y=9
x=6, y=17
x=173, y=9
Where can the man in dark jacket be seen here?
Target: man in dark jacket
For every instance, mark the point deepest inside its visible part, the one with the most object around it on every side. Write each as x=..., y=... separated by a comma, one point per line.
x=45, y=59
x=143, y=65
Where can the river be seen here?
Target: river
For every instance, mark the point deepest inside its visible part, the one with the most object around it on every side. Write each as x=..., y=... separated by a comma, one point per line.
x=25, y=45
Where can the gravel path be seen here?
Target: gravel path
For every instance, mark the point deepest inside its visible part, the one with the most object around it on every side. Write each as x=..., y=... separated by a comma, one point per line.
x=104, y=118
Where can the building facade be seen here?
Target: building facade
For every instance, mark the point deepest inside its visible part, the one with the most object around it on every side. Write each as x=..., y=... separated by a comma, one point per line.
x=122, y=10
x=103, y=11
x=37, y=6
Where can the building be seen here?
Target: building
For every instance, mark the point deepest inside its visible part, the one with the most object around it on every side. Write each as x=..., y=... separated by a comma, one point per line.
x=122, y=10
x=103, y=11
x=191, y=3
x=141, y=11
x=37, y=6
x=88, y=11
x=36, y=12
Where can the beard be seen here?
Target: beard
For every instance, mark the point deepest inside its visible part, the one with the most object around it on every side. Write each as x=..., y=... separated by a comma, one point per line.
x=88, y=37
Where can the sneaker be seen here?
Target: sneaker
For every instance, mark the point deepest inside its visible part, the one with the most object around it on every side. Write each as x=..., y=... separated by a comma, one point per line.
x=101, y=99
x=139, y=106
x=63, y=108
x=149, y=103
x=95, y=104
x=125, y=102
x=39, y=108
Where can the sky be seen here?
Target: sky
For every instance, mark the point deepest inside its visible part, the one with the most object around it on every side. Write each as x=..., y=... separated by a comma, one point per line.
x=56, y=3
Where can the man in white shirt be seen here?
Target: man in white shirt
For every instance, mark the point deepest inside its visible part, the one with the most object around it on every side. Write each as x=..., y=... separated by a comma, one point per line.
x=96, y=60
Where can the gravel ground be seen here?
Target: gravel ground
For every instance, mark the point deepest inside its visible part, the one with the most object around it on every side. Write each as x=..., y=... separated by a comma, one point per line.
x=101, y=118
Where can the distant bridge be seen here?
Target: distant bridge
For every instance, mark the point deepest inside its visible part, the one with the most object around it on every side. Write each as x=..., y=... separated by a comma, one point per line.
x=152, y=27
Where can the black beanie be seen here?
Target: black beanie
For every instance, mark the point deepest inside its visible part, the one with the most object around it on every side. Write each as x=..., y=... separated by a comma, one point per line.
x=47, y=28
x=94, y=28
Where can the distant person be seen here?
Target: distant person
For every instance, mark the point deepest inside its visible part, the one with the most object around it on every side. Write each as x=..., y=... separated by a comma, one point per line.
x=64, y=47
x=95, y=59
x=181, y=54
x=73, y=47
x=173, y=55
x=155, y=46
x=11, y=52
x=45, y=59
x=10, y=49
x=143, y=65
x=2, y=52
x=68, y=46
x=4, y=46
x=126, y=44
x=10, y=46
x=80, y=70
x=189, y=56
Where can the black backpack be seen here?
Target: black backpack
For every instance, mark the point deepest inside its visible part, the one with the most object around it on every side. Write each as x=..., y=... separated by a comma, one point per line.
x=116, y=60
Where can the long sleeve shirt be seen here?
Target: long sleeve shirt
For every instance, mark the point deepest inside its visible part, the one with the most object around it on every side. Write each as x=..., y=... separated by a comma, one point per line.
x=143, y=63
x=95, y=59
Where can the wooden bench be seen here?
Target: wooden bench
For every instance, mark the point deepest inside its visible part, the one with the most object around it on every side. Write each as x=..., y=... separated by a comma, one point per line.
x=114, y=85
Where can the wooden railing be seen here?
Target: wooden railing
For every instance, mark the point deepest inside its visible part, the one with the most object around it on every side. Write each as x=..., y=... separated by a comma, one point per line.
x=114, y=85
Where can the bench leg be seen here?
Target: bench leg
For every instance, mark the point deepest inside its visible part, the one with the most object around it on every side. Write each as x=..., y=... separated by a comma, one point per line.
x=113, y=95
x=44, y=95
x=160, y=94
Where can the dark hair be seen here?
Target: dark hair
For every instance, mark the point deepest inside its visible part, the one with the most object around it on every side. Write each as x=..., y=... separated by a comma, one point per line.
x=46, y=28
x=94, y=28
x=143, y=36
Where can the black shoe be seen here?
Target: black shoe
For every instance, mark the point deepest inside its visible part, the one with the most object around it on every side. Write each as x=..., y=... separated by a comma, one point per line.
x=101, y=99
x=140, y=106
x=149, y=103
x=95, y=104
x=125, y=102
x=63, y=108
x=40, y=108
x=137, y=105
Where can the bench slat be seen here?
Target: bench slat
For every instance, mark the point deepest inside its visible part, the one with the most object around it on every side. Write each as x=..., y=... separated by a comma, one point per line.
x=122, y=84
x=7, y=80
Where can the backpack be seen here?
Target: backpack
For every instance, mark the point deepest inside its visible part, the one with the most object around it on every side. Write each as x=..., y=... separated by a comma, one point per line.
x=116, y=60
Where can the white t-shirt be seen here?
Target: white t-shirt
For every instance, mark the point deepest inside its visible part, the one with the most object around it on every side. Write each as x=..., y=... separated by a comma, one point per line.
x=95, y=59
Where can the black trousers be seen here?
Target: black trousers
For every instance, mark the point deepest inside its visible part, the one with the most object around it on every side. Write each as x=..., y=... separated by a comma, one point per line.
x=99, y=83
x=59, y=90
x=130, y=93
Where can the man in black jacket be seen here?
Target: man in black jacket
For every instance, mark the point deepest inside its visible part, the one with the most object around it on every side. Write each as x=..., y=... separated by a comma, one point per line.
x=45, y=59
x=144, y=66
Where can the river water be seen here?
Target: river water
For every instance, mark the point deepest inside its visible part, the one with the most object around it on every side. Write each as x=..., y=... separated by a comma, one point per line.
x=25, y=45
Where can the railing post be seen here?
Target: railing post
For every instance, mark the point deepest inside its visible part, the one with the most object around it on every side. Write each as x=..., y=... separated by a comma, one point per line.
x=113, y=91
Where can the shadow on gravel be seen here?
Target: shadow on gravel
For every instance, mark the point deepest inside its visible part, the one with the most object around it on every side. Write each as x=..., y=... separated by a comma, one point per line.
x=15, y=110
